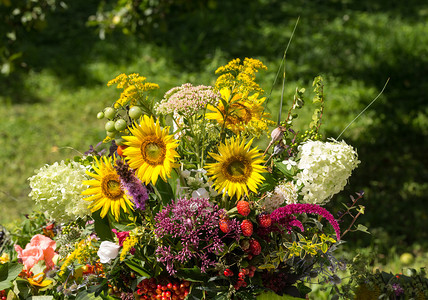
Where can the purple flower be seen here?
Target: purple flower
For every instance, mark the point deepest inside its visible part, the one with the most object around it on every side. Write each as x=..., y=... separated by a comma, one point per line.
x=284, y=216
x=194, y=224
x=133, y=186
x=398, y=290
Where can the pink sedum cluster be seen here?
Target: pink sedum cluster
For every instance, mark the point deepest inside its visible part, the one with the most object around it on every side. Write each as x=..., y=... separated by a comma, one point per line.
x=186, y=99
x=40, y=248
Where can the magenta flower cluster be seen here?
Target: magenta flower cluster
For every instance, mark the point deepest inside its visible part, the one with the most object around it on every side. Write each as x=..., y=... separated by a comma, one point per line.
x=188, y=230
x=284, y=216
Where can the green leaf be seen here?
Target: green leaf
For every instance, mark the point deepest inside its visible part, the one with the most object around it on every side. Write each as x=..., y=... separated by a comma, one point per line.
x=190, y=274
x=8, y=273
x=46, y=298
x=267, y=266
x=89, y=296
x=324, y=247
x=165, y=191
x=136, y=266
x=102, y=227
x=362, y=228
x=283, y=168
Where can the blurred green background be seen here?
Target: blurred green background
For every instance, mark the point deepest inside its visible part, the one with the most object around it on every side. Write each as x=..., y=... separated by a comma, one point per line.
x=57, y=56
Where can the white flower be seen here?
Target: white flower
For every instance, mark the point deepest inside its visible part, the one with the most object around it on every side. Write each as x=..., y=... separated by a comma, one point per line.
x=272, y=201
x=201, y=193
x=288, y=192
x=108, y=251
x=57, y=189
x=325, y=169
x=185, y=173
x=289, y=163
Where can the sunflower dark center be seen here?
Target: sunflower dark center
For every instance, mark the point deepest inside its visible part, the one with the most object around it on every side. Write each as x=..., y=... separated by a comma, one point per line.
x=237, y=169
x=111, y=187
x=153, y=151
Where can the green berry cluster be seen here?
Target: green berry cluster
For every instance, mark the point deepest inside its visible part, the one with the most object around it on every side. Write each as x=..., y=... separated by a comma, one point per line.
x=118, y=120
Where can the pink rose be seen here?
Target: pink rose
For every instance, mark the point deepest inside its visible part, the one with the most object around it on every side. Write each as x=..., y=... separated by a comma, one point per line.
x=40, y=248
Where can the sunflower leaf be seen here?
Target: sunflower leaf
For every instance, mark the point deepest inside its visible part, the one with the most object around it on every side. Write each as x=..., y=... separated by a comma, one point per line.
x=102, y=227
x=165, y=191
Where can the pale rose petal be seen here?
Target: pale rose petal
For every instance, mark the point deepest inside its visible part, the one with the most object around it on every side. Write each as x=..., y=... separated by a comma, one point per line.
x=108, y=251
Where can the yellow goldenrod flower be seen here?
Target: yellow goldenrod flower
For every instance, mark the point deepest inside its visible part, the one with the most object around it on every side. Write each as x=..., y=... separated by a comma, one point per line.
x=127, y=246
x=239, y=76
x=133, y=86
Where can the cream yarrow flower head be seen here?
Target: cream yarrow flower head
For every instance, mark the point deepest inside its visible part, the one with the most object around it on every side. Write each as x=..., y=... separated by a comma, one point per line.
x=238, y=168
x=57, y=190
x=186, y=100
x=151, y=150
x=106, y=191
x=325, y=168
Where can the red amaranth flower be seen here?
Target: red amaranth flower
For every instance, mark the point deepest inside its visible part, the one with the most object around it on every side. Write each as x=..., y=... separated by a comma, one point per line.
x=284, y=215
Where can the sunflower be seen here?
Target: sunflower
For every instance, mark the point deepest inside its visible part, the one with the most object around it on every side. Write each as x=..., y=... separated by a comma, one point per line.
x=236, y=111
x=105, y=189
x=151, y=151
x=237, y=168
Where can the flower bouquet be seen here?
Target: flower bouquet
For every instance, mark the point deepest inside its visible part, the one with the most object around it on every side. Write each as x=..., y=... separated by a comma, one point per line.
x=180, y=203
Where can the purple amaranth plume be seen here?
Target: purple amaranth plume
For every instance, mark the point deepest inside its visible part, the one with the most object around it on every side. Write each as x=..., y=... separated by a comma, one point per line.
x=284, y=215
x=133, y=186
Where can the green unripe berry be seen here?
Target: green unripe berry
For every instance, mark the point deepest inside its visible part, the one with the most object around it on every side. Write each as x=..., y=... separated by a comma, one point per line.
x=111, y=134
x=100, y=115
x=119, y=141
x=110, y=126
x=109, y=112
x=120, y=125
x=135, y=112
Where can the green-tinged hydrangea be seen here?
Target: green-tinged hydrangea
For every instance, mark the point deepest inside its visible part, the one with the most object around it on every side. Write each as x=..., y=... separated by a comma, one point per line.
x=57, y=190
x=325, y=168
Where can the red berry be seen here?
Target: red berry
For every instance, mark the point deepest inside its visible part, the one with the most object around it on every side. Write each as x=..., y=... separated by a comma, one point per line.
x=255, y=247
x=247, y=228
x=264, y=220
x=241, y=275
x=243, y=208
x=228, y=273
x=224, y=225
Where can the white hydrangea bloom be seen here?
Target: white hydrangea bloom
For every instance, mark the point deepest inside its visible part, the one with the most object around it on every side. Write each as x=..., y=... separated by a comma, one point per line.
x=288, y=191
x=325, y=168
x=57, y=190
x=272, y=201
